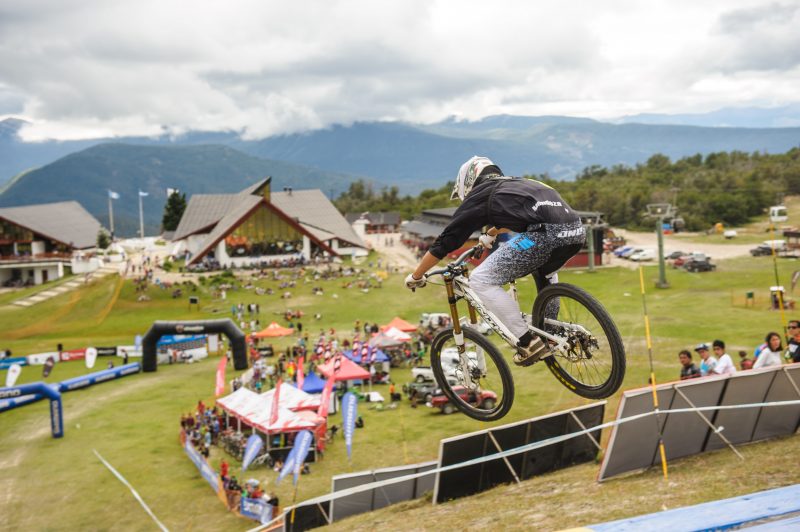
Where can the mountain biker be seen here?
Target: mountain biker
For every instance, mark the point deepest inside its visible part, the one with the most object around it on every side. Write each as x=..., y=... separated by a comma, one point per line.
x=549, y=234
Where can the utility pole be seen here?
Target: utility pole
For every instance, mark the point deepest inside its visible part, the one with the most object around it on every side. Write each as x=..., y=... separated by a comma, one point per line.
x=661, y=212
x=590, y=222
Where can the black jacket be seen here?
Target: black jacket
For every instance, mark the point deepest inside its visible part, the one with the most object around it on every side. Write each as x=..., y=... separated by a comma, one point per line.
x=511, y=203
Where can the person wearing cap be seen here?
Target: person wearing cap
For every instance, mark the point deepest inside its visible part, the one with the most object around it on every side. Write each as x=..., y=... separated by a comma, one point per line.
x=549, y=233
x=708, y=362
x=725, y=365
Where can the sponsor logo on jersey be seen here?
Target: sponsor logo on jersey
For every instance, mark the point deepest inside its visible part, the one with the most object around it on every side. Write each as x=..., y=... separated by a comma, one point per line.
x=546, y=204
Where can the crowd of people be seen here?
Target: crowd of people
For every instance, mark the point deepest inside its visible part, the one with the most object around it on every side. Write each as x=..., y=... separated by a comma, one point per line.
x=714, y=359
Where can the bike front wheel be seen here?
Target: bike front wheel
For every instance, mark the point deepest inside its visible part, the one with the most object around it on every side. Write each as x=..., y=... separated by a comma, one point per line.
x=478, y=382
x=591, y=363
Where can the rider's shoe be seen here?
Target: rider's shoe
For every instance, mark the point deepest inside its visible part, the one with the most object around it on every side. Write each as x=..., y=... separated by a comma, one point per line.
x=532, y=353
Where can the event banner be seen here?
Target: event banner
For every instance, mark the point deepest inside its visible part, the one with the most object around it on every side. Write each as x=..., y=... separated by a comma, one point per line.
x=205, y=470
x=251, y=450
x=13, y=373
x=91, y=357
x=41, y=358
x=8, y=362
x=107, y=351
x=220, y=387
x=326, y=398
x=73, y=354
x=349, y=412
x=302, y=443
x=48, y=367
x=257, y=509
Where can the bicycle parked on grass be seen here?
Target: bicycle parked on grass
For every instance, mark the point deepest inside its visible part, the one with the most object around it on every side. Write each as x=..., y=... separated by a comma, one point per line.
x=586, y=351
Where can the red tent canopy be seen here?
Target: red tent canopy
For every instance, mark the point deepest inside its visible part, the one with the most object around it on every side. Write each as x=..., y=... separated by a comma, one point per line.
x=401, y=324
x=348, y=371
x=273, y=330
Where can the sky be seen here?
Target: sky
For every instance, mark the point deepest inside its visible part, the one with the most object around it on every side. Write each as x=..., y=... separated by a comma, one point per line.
x=98, y=68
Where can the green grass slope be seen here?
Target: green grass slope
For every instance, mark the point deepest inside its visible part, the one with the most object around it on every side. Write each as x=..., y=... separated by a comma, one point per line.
x=133, y=422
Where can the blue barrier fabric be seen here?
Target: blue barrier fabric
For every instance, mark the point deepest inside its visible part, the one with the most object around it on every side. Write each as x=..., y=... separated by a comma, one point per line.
x=714, y=515
x=205, y=470
x=256, y=509
x=17, y=393
x=7, y=362
x=99, y=376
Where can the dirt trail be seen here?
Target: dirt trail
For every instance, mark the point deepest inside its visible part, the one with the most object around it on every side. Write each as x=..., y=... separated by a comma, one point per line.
x=396, y=254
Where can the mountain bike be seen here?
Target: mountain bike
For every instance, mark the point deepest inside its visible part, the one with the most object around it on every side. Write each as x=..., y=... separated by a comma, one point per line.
x=586, y=351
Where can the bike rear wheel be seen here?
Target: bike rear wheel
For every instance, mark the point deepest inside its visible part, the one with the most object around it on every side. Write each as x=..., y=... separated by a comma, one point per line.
x=593, y=364
x=489, y=391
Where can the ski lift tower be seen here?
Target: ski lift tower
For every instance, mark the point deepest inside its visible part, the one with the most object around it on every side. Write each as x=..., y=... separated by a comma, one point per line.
x=661, y=212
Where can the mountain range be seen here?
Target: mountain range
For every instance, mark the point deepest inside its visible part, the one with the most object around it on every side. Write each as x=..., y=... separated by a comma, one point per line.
x=409, y=156
x=126, y=169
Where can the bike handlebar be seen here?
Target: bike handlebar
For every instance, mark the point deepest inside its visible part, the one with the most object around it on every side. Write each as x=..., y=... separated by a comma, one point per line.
x=458, y=262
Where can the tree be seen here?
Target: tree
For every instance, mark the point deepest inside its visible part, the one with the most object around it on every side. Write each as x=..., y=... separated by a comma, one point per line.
x=173, y=211
x=103, y=239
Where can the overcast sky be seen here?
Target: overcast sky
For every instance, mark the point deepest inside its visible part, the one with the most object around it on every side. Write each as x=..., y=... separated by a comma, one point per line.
x=87, y=68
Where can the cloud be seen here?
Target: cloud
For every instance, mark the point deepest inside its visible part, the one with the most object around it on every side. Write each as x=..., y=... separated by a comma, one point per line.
x=100, y=67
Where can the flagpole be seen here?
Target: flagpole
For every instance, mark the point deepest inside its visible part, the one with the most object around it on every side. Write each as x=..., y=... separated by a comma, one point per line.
x=111, y=215
x=141, y=217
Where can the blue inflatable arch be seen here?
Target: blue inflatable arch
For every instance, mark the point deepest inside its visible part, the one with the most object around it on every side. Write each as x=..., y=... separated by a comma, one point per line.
x=20, y=395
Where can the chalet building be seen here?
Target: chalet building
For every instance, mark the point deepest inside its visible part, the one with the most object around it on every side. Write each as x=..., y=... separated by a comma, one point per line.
x=38, y=242
x=370, y=223
x=259, y=226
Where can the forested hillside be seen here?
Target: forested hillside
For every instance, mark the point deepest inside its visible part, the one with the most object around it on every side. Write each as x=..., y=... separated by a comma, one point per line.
x=728, y=187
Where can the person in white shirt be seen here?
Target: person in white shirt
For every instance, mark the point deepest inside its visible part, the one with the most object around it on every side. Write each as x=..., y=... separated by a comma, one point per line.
x=725, y=364
x=771, y=354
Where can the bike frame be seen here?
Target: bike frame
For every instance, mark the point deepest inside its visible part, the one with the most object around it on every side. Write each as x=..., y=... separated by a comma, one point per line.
x=456, y=282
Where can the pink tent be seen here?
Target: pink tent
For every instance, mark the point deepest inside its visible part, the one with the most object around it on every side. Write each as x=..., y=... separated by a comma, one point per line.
x=347, y=372
x=293, y=399
x=255, y=409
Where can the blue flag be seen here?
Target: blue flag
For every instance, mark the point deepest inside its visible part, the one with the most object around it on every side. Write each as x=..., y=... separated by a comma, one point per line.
x=251, y=450
x=302, y=443
x=349, y=412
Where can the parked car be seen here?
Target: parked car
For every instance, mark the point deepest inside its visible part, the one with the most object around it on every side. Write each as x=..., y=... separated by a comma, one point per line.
x=424, y=391
x=699, y=263
x=680, y=262
x=434, y=320
x=674, y=255
x=628, y=254
x=449, y=357
x=644, y=255
x=765, y=248
x=486, y=399
x=619, y=251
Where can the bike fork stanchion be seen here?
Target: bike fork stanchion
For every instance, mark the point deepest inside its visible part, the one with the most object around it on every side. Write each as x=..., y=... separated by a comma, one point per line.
x=458, y=334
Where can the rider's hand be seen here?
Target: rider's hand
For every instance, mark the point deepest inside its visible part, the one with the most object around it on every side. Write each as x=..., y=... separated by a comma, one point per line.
x=487, y=241
x=413, y=283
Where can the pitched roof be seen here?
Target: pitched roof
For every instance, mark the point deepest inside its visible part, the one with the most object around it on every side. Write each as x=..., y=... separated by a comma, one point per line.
x=311, y=207
x=66, y=222
x=203, y=211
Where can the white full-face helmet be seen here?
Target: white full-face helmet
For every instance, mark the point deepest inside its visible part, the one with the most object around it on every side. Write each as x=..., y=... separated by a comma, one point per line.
x=468, y=175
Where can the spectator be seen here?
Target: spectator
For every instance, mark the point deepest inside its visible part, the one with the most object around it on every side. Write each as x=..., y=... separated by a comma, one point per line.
x=708, y=362
x=725, y=364
x=688, y=369
x=794, y=341
x=744, y=362
x=770, y=355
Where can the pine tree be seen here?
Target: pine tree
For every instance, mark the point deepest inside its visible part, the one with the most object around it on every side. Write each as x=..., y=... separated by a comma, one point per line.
x=173, y=211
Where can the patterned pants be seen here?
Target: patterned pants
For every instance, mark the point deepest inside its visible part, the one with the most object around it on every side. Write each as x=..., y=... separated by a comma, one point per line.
x=539, y=253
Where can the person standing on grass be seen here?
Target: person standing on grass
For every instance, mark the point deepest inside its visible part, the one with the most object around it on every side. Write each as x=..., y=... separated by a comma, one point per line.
x=725, y=365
